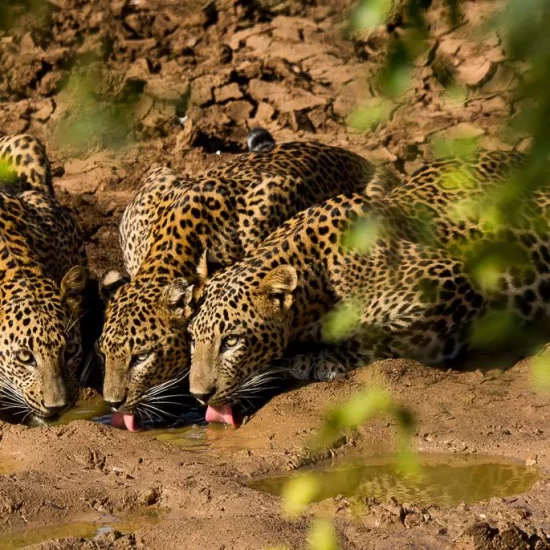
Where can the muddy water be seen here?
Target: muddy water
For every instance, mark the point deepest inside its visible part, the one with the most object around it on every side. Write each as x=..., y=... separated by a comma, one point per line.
x=444, y=480
x=94, y=409
x=190, y=432
x=15, y=539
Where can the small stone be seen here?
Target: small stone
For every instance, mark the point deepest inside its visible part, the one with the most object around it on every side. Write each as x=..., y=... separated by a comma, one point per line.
x=380, y=155
x=44, y=111
x=300, y=101
x=230, y=91
x=26, y=45
x=260, y=43
x=261, y=90
x=239, y=38
x=239, y=111
x=249, y=69
x=532, y=461
x=503, y=78
x=449, y=47
x=264, y=112
x=476, y=72
x=202, y=88
x=139, y=70
x=288, y=34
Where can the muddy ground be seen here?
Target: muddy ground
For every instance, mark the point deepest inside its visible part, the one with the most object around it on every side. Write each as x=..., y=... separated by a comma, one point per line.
x=116, y=87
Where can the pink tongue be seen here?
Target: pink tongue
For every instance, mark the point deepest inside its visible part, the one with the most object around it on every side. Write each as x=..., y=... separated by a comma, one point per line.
x=222, y=414
x=124, y=420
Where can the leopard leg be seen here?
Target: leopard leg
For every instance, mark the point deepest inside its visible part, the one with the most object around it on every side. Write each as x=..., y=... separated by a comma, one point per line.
x=332, y=362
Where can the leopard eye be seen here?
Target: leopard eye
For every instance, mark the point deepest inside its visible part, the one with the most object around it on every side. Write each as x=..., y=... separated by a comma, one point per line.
x=71, y=349
x=230, y=342
x=25, y=357
x=140, y=358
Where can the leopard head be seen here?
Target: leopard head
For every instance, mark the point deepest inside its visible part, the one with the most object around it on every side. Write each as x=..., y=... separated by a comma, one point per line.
x=144, y=344
x=242, y=323
x=40, y=349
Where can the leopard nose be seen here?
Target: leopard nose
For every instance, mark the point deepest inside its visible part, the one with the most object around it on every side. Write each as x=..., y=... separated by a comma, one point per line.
x=116, y=404
x=203, y=398
x=54, y=411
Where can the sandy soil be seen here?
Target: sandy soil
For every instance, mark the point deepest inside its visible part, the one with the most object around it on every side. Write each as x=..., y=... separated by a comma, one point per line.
x=226, y=66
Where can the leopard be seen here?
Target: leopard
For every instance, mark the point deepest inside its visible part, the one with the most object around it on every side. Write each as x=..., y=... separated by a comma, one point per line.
x=180, y=230
x=411, y=292
x=43, y=276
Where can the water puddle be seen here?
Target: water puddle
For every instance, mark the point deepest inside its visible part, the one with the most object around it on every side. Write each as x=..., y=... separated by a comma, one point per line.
x=95, y=410
x=442, y=480
x=189, y=431
x=21, y=538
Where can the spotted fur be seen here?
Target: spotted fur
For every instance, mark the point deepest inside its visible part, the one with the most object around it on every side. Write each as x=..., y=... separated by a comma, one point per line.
x=42, y=278
x=412, y=291
x=170, y=226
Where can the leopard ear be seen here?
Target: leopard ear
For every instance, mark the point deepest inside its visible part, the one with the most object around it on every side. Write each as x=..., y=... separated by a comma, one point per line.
x=73, y=286
x=109, y=282
x=177, y=298
x=275, y=294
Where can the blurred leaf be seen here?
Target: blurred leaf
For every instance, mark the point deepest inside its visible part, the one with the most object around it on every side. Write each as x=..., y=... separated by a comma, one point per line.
x=7, y=171
x=340, y=322
x=322, y=535
x=394, y=77
x=299, y=492
x=540, y=370
x=421, y=216
x=361, y=407
x=488, y=273
x=371, y=13
x=396, y=80
x=94, y=118
x=367, y=116
x=405, y=420
x=490, y=261
x=463, y=148
x=494, y=329
x=363, y=235
x=354, y=412
x=408, y=463
x=456, y=95
x=11, y=11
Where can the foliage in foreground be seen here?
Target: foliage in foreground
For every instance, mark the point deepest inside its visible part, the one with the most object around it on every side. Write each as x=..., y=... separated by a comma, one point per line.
x=524, y=30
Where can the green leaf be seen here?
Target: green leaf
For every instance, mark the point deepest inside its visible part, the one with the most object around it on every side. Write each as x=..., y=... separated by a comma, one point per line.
x=363, y=235
x=540, y=371
x=371, y=14
x=299, y=492
x=367, y=116
x=322, y=535
x=342, y=321
x=461, y=147
x=495, y=328
x=7, y=171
